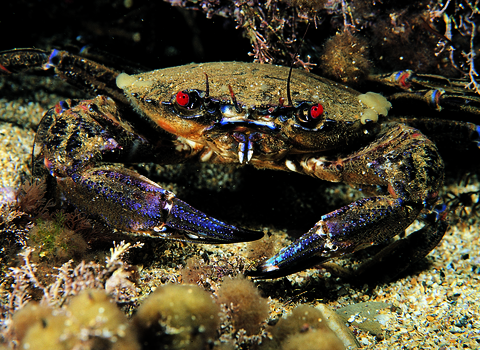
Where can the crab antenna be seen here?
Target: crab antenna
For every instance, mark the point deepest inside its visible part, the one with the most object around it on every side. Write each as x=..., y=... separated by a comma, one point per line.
x=207, y=87
x=289, y=96
x=234, y=100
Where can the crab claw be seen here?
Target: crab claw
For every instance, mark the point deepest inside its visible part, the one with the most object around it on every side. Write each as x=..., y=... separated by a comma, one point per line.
x=194, y=226
x=133, y=204
x=363, y=223
x=300, y=255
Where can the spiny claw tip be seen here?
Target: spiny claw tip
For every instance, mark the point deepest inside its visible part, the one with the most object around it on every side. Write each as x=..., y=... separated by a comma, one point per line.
x=196, y=226
x=265, y=270
x=300, y=255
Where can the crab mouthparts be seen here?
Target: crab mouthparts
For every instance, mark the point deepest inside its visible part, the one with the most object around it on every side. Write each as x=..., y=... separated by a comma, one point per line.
x=245, y=146
x=246, y=132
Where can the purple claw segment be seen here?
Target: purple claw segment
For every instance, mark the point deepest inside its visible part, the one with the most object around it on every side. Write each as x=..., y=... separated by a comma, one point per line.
x=61, y=107
x=126, y=191
x=132, y=203
x=403, y=78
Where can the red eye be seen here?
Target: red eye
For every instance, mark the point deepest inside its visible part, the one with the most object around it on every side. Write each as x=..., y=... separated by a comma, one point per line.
x=182, y=98
x=316, y=111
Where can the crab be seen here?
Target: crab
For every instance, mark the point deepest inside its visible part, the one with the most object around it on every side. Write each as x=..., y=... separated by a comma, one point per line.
x=237, y=113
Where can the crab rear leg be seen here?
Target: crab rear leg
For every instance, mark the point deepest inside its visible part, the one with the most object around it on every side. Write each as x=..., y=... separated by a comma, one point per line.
x=431, y=90
x=76, y=70
x=75, y=143
x=403, y=162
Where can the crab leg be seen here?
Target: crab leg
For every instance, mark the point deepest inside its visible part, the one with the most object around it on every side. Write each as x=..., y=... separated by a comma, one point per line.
x=432, y=90
x=403, y=162
x=73, y=142
x=76, y=70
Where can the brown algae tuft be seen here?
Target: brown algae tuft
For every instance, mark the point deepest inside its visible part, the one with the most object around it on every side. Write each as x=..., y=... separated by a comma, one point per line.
x=346, y=58
x=177, y=317
x=90, y=321
x=244, y=304
x=54, y=242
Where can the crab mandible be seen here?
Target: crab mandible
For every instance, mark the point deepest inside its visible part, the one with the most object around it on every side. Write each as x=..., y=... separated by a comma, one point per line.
x=236, y=113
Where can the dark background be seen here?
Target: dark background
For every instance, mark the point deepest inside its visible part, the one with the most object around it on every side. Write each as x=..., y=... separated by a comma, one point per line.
x=151, y=33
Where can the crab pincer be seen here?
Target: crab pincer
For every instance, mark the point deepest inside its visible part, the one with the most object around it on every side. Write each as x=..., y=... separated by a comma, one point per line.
x=345, y=231
x=132, y=203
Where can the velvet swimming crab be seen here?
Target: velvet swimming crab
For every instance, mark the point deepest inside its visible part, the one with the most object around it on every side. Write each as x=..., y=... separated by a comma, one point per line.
x=241, y=113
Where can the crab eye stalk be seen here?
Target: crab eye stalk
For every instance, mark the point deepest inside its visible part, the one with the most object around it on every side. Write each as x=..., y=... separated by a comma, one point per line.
x=192, y=103
x=309, y=115
x=188, y=100
x=182, y=98
x=316, y=111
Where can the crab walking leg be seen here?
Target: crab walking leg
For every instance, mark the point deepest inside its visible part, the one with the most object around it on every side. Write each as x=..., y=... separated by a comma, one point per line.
x=75, y=70
x=76, y=139
x=408, y=166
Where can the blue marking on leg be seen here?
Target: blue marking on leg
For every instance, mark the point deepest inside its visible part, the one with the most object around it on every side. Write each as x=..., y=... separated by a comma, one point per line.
x=63, y=106
x=83, y=49
x=439, y=211
x=52, y=59
x=477, y=139
x=434, y=97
